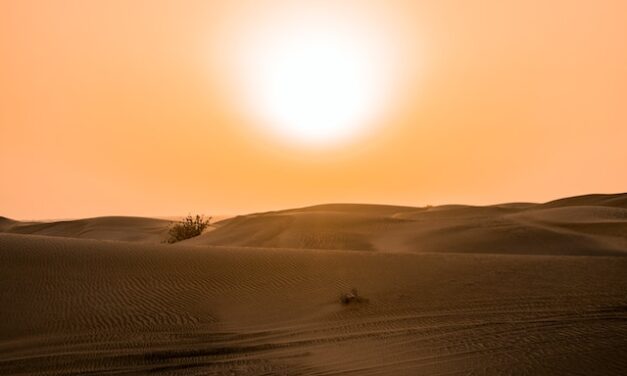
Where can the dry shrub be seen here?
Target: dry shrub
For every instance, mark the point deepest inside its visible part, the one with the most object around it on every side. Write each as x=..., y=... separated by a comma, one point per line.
x=352, y=297
x=188, y=228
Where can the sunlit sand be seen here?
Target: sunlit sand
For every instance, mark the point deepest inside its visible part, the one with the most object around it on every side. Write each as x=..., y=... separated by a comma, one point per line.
x=441, y=290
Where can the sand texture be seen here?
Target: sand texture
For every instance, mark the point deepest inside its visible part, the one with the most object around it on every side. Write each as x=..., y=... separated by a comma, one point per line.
x=129, y=229
x=585, y=225
x=528, y=289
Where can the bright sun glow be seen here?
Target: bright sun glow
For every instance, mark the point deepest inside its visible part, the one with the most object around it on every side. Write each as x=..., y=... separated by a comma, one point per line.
x=314, y=78
x=316, y=86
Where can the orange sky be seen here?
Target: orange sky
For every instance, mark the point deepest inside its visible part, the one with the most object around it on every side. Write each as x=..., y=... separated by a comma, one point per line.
x=121, y=108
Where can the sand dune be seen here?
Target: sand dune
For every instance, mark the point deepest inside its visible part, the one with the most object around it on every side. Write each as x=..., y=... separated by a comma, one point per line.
x=448, y=290
x=130, y=229
x=74, y=306
x=6, y=224
x=585, y=225
x=615, y=200
x=582, y=225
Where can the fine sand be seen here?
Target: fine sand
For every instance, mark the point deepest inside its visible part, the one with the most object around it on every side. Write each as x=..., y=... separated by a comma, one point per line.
x=529, y=289
x=584, y=225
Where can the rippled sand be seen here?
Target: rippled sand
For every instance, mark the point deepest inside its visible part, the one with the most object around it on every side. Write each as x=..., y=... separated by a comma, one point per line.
x=85, y=306
x=123, y=303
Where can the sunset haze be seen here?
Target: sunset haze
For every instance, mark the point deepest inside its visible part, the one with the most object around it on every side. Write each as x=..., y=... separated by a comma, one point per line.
x=136, y=108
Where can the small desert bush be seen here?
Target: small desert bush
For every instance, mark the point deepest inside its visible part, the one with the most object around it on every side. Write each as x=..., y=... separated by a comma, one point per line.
x=188, y=228
x=352, y=297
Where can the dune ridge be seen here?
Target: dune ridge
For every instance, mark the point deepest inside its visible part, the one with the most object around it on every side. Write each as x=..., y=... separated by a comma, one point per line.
x=593, y=224
x=583, y=225
x=118, y=228
x=516, y=288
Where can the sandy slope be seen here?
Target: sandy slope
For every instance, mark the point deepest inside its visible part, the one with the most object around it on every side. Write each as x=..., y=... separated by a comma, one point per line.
x=80, y=306
x=512, y=300
x=583, y=225
x=593, y=224
x=130, y=229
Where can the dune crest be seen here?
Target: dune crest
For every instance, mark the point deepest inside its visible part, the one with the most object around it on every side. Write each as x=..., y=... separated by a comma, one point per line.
x=130, y=229
x=582, y=225
x=442, y=290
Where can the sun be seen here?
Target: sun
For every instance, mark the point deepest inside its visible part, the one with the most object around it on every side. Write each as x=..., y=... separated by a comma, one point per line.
x=314, y=78
x=316, y=86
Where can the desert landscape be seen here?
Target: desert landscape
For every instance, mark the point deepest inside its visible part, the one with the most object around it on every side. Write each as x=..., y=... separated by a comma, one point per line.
x=313, y=187
x=515, y=288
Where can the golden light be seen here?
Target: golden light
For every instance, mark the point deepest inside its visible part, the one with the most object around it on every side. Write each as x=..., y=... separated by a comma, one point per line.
x=317, y=77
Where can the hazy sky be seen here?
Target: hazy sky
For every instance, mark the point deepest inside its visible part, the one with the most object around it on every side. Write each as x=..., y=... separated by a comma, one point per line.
x=133, y=107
